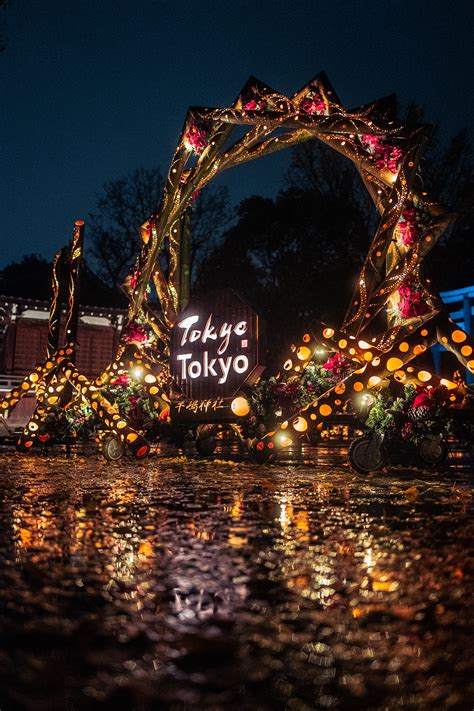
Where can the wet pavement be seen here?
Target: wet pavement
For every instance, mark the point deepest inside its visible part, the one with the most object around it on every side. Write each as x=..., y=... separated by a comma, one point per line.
x=213, y=585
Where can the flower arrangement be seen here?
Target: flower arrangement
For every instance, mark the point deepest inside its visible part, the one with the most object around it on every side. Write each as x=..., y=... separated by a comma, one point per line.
x=272, y=399
x=419, y=411
x=314, y=103
x=411, y=302
x=408, y=227
x=338, y=367
x=196, y=139
x=255, y=105
x=137, y=333
x=386, y=156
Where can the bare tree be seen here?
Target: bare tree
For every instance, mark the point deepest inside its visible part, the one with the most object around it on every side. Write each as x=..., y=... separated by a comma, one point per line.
x=210, y=215
x=124, y=204
x=121, y=207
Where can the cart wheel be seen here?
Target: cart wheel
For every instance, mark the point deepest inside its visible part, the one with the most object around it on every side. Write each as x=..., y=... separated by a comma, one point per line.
x=365, y=455
x=112, y=448
x=206, y=447
x=432, y=451
x=263, y=453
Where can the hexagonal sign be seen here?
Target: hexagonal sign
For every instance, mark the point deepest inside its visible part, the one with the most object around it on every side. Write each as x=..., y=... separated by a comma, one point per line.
x=214, y=353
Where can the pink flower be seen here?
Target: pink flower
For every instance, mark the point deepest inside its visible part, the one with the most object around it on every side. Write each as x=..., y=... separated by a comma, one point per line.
x=411, y=302
x=254, y=105
x=389, y=157
x=196, y=138
x=135, y=334
x=408, y=226
x=386, y=156
x=338, y=366
x=313, y=104
x=373, y=142
x=121, y=380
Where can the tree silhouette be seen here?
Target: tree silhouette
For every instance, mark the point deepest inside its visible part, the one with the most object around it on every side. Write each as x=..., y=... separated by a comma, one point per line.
x=123, y=204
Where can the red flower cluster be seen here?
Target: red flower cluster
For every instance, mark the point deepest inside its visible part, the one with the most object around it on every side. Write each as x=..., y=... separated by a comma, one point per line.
x=338, y=366
x=430, y=397
x=121, y=380
x=313, y=104
x=255, y=105
x=389, y=157
x=407, y=430
x=373, y=142
x=408, y=226
x=385, y=156
x=285, y=393
x=135, y=334
x=411, y=302
x=196, y=138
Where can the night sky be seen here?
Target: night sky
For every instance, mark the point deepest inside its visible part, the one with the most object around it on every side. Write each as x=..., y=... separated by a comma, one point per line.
x=95, y=89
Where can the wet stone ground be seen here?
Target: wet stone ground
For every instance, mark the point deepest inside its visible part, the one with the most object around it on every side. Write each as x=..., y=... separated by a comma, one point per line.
x=215, y=585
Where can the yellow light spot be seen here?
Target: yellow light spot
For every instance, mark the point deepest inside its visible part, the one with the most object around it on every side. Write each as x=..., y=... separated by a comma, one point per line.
x=306, y=338
x=448, y=383
x=342, y=343
x=121, y=424
x=424, y=331
x=303, y=353
x=313, y=416
x=340, y=388
x=400, y=375
x=424, y=376
x=34, y=377
x=373, y=381
x=403, y=347
x=458, y=336
x=284, y=425
x=131, y=437
x=150, y=378
x=419, y=349
x=153, y=390
x=288, y=364
x=240, y=406
x=368, y=355
x=300, y=424
x=358, y=386
x=328, y=332
x=466, y=350
x=394, y=364
x=325, y=410
x=470, y=365
x=53, y=399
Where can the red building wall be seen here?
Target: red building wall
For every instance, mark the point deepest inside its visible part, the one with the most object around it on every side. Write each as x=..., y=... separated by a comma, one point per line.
x=26, y=342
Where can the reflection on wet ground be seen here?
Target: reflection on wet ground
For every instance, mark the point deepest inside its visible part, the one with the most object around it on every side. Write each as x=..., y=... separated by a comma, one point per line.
x=212, y=585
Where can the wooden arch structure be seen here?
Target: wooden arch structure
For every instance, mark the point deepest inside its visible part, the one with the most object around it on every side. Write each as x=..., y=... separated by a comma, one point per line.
x=392, y=283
